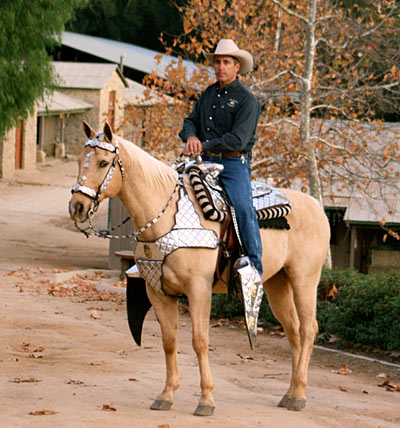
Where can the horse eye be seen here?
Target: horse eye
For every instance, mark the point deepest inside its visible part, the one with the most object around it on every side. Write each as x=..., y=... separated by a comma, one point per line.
x=103, y=164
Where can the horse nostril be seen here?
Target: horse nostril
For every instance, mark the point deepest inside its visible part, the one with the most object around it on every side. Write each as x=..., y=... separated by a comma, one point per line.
x=79, y=208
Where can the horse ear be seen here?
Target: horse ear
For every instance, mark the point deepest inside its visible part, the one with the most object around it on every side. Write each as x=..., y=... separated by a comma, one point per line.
x=108, y=131
x=88, y=130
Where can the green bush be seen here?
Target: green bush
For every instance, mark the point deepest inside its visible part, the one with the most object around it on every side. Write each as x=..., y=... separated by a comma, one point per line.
x=365, y=309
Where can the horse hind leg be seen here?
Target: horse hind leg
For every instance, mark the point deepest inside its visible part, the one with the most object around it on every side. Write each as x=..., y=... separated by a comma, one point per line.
x=299, y=305
x=281, y=300
x=166, y=309
x=305, y=300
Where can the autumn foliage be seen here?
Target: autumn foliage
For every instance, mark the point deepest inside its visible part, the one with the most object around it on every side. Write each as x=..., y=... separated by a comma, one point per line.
x=326, y=73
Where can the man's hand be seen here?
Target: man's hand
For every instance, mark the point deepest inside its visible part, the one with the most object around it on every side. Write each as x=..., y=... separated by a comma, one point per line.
x=193, y=146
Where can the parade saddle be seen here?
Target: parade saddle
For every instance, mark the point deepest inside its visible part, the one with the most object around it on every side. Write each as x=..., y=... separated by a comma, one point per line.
x=235, y=273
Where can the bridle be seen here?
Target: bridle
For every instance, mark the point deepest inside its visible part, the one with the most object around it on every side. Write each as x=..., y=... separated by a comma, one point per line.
x=95, y=195
x=92, y=193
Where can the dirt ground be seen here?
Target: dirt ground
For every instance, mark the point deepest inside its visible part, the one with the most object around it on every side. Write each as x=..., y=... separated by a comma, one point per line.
x=67, y=358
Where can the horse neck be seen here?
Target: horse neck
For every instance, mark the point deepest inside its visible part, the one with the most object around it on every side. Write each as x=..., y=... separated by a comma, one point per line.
x=148, y=186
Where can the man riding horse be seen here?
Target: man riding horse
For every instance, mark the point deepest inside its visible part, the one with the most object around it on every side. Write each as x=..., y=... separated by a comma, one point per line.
x=222, y=127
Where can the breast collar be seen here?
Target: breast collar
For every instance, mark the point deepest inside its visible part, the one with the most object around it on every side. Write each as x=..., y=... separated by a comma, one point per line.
x=187, y=232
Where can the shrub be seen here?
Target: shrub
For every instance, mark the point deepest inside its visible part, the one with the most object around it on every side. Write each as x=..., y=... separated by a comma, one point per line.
x=365, y=309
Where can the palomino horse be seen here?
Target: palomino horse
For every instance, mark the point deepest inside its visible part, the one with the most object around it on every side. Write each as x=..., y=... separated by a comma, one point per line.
x=292, y=259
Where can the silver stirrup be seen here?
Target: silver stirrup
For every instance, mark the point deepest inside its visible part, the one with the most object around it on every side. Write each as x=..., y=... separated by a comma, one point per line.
x=251, y=287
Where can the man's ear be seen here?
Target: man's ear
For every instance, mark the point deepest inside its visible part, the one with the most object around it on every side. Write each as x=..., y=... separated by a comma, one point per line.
x=88, y=130
x=108, y=132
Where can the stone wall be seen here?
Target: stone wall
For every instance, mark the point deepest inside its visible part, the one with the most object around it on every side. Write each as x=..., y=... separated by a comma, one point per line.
x=114, y=84
x=96, y=116
x=73, y=132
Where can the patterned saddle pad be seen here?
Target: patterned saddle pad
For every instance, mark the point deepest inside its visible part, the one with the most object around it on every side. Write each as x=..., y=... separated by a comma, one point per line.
x=272, y=205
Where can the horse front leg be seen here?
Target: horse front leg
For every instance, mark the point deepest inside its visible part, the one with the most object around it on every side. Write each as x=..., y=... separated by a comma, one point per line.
x=200, y=306
x=166, y=309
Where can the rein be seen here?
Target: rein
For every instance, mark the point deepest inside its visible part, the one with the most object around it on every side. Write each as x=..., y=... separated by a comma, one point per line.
x=95, y=195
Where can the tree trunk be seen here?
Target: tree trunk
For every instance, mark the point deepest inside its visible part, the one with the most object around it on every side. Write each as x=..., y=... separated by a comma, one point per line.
x=305, y=118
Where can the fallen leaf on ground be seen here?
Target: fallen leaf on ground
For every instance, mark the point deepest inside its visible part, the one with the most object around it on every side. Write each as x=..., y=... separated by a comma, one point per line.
x=43, y=412
x=163, y=426
x=343, y=371
x=217, y=324
x=389, y=386
x=109, y=408
x=96, y=315
x=75, y=382
x=132, y=379
x=183, y=309
x=382, y=376
x=36, y=356
x=341, y=388
x=246, y=357
x=22, y=380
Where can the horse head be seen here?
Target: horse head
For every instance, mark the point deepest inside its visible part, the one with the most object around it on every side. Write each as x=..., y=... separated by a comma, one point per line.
x=97, y=179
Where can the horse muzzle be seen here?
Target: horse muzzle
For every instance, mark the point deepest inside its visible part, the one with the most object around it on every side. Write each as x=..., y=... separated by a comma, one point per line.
x=79, y=208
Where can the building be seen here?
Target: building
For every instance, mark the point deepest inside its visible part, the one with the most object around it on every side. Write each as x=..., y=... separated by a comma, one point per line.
x=53, y=114
x=100, y=85
x=18, y=147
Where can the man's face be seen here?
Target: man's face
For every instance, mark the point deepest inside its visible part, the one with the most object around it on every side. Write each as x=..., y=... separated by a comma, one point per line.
x=226, y=69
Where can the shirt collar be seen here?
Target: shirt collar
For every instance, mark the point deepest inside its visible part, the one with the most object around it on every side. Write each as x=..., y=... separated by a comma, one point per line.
x=232, y=85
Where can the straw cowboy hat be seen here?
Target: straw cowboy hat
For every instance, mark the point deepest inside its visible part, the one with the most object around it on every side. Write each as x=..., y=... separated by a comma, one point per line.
x=228, y=47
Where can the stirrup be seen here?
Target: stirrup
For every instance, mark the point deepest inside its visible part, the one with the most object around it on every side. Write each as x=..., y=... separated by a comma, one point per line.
x=251, y=293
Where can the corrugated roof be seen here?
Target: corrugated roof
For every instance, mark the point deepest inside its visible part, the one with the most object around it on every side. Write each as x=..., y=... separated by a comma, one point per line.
x=58, y=103
x=363, y=210
x=84, y=75
x=138, y=95
x=135, y=57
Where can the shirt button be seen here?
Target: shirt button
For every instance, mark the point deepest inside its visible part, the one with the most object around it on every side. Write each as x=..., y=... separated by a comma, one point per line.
x=226, y=92
x=210, y=117
x=219, y=95
x=214, y=106
x=208, y=129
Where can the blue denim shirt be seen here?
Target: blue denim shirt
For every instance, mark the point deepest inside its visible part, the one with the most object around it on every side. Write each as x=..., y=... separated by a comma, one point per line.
x=224, y=119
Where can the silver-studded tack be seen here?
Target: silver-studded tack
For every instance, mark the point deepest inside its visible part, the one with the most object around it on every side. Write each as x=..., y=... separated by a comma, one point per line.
x=252, y=293
x=187, y=232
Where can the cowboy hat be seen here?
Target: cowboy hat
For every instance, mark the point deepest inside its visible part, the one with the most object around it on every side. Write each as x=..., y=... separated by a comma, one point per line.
x=228, y=47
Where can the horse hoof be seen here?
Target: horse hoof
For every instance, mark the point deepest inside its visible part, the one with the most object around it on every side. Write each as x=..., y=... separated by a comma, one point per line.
x=203, y=410
x=161, y=405
x=284, y=401
x=296, y=404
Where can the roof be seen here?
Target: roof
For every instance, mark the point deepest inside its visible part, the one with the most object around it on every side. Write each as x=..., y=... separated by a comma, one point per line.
x=135, y=57
x=363, y=210
x=85, y=75
x=139, y=95
x=58, y=103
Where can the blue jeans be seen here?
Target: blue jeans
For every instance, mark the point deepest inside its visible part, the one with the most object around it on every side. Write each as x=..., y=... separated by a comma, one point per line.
x=236, y=180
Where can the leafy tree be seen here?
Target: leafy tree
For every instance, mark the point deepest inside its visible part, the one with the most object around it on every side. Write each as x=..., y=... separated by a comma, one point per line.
x=325, y=73
x=27, y=29
x=130, y=21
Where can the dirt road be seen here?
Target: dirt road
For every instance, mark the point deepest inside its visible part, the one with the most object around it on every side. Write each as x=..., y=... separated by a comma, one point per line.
x=67, y=358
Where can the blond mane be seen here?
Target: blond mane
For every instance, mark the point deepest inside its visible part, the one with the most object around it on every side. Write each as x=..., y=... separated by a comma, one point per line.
x=153, y=170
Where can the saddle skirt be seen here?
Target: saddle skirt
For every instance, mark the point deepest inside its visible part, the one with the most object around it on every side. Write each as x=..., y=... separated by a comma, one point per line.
x=271, y=205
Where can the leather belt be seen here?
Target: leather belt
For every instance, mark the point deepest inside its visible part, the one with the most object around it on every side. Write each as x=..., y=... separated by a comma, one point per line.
x=224, y=155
